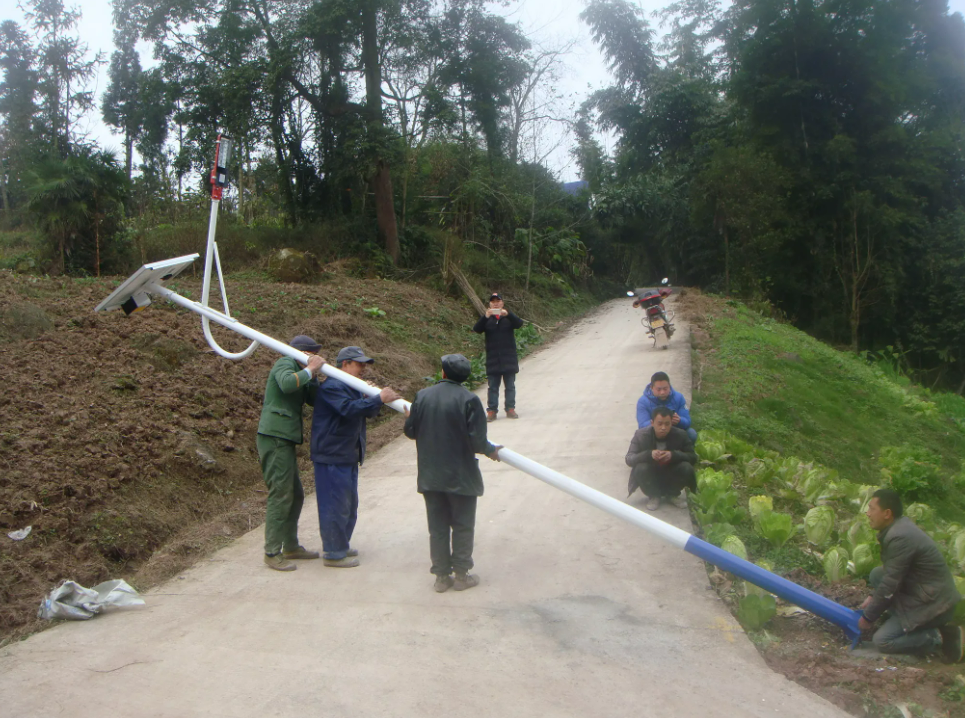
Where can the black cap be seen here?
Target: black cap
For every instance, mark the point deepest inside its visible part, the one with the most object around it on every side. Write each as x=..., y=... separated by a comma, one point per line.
x=495, y=295
x=353, y=354
x=456, y=367
x=305, y=343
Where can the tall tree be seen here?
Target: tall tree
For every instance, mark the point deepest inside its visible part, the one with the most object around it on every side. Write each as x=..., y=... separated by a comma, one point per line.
x=121, y=105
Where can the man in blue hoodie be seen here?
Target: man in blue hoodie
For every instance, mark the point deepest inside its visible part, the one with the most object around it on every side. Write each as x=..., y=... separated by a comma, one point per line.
x=660, y=393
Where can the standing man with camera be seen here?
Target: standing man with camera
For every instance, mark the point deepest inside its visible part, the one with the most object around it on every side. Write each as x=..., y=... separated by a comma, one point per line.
x=502, y=363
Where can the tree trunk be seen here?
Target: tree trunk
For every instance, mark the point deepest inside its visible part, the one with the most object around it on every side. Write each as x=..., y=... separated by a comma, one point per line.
x=726, y=263
x=3, y=193
x=97, y=247
x=382, y=179
x=128, y=153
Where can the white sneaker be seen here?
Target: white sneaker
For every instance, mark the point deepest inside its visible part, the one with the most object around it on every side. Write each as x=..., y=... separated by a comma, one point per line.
x=653, y=504
x=680, y=501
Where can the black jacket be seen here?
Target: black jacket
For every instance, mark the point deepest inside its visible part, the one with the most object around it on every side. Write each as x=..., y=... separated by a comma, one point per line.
x=448, y=423
x=500, y=343
x=644, y=442
x=917, y=585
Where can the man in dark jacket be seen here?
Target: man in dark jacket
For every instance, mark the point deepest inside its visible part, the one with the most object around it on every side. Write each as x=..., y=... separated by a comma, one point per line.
x=448, y=425
x=290, y=386
x=338, y=449
x=502, y=363
x=662, y=460
x=913, y=584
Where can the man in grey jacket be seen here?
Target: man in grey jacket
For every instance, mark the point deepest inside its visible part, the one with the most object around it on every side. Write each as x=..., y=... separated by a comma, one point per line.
x=448, y=424
x=913, y=584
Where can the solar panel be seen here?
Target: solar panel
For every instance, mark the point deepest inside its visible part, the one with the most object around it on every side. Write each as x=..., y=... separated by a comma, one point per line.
x=132, y=295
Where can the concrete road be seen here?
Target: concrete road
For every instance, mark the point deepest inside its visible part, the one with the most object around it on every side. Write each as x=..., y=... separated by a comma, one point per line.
x=578, y=614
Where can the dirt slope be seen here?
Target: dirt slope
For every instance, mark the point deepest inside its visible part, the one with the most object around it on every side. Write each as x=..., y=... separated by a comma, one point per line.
x=124, y=435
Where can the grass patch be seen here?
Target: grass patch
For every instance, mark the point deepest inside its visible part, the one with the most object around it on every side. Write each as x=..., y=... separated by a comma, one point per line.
x=778, y=388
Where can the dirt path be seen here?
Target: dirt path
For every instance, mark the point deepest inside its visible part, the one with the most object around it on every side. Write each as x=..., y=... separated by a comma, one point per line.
x=578, y=614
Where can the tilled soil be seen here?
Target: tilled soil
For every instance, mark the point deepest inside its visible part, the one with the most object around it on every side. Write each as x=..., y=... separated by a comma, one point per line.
x=128, y=446
x=816, y=655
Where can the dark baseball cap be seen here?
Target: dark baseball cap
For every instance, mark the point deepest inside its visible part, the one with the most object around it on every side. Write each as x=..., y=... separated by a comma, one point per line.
x=305, y=343
x=494, y=295
x=456, y=367
x=353, y=354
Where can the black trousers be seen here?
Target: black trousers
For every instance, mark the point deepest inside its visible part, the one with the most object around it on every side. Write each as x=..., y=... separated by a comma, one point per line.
x=658, y=482
x=452, y=527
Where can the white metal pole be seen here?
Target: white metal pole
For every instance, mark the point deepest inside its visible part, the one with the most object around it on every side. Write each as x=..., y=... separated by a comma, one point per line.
x=210, y=257
x=671, y=534
x=234, y=325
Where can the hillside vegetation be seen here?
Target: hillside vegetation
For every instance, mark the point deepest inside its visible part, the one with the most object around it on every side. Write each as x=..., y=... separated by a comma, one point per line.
x=795, y=437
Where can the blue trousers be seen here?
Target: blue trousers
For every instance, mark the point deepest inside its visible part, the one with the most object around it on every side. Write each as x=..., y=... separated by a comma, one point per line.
x=337, y=493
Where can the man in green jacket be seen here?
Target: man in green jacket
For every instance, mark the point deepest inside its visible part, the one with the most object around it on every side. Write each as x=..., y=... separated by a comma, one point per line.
x=289, y=387
x=448, y=424
x=913, y=584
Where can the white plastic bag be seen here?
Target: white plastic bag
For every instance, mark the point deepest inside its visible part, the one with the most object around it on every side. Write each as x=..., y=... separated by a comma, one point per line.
x=72, y=601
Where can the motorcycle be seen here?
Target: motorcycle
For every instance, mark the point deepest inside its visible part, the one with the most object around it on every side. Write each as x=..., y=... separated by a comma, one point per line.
x=655, y=316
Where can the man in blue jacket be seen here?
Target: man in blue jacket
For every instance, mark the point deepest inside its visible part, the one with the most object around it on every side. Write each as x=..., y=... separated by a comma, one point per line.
x=660, y=393
x=338, y=449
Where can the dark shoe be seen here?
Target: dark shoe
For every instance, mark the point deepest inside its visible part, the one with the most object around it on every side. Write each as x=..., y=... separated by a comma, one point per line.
x=653, y=503
x=352, y=552
x=511, y=414
x=443, y=584
x=951, y=643
x=346, y=562
x=462, y=581
x=299, y=553
x=490, y=415
x=279, y=563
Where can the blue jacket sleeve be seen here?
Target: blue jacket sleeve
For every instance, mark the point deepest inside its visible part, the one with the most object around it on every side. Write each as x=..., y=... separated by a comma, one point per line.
x=643, y=412
x=340, y=397
x=682, y=411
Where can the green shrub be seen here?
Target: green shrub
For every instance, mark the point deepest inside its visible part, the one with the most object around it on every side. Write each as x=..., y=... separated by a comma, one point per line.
x=913, y=471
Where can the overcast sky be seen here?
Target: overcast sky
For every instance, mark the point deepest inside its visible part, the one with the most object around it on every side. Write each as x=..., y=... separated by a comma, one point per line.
x=547, y=22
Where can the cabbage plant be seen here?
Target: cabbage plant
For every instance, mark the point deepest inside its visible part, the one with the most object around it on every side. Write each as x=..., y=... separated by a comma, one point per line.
x=734, y=545
x=757, y=504
x=716, y=533
x=835, y=564
x=860, y=532
x=960, y=608
x=864, y=559
x=814, y=484
x=758, y=472
x=755, y=611
x=713, y=452
x=713, y=481
x=922, y=514
x=776, y=527
x=958, y=548
x=818, y=525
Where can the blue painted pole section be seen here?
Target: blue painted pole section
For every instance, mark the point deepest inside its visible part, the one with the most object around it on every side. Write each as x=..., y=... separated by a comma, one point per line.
x=837, y=614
